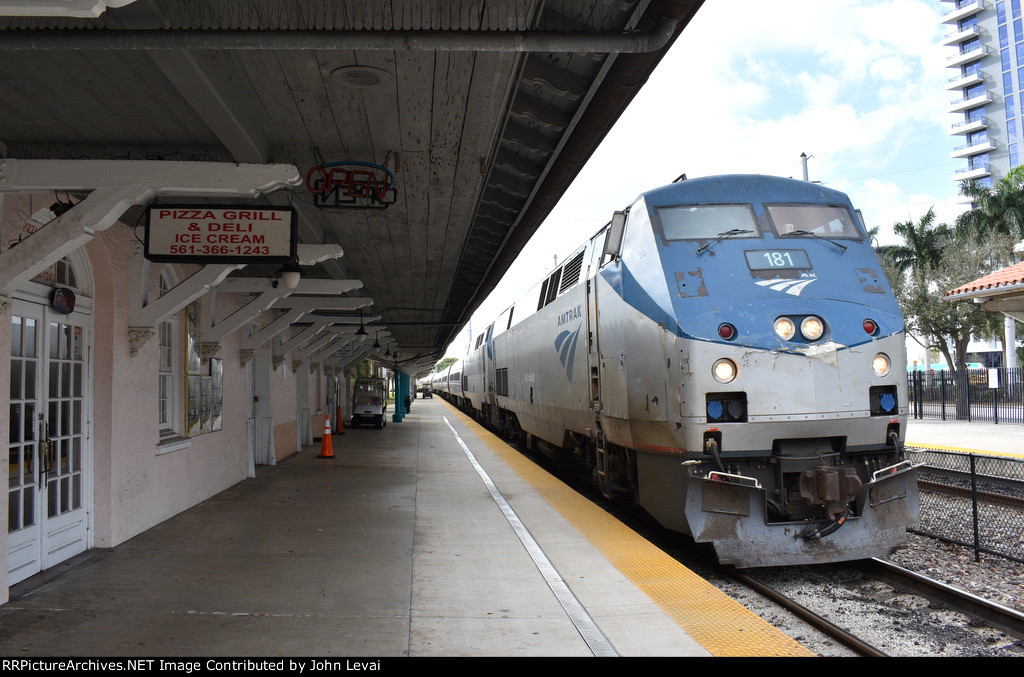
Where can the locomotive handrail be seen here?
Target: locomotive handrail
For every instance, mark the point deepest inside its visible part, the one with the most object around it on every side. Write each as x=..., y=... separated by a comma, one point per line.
x=743, y=479
x=895, y=468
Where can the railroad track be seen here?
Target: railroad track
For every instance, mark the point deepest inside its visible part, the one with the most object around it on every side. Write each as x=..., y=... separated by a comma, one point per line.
x=995, y=615
x=992, y=614
x=819, y=623
x=1015, y=502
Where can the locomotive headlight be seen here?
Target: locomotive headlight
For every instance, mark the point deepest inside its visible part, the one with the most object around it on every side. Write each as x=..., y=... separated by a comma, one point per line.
x=880, y=364
x=724, y=370
x=785, y=328
x=812, y=328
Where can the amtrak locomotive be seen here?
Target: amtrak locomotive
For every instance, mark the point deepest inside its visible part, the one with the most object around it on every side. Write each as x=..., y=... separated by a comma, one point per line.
x=727, y=353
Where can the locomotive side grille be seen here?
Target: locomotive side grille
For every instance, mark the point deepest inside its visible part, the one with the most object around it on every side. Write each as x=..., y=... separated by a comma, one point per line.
x=553, y=286
x=571, y=273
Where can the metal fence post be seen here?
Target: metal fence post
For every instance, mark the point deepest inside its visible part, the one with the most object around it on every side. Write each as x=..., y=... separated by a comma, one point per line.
x=974, y=508
x=942, y=389
x=967, y=386
x=995, y=405
x=914, y=397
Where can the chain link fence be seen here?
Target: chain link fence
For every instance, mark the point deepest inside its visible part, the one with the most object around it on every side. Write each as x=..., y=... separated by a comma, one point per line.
x=973, y=500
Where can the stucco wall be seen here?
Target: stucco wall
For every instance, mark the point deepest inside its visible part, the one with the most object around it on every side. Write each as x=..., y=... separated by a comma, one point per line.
x=143, y=485
x=136, y=483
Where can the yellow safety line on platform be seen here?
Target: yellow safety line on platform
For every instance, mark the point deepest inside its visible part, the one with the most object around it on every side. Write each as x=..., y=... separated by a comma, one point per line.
x=963, y=450
x=716, y=621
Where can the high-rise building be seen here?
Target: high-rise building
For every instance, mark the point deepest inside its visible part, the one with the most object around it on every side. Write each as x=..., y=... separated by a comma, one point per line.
x=988, y=77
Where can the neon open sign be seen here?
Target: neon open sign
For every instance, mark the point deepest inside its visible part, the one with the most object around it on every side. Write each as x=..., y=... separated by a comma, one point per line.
x=351, y=184
x=220, y=234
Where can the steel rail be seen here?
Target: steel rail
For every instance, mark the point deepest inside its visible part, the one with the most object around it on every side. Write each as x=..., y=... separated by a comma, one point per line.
x=965, y=492
x=821, y=624
x=995, y=615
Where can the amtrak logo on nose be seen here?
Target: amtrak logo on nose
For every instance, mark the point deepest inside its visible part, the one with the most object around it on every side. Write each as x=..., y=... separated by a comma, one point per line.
x=565, y=344
x=793, y=287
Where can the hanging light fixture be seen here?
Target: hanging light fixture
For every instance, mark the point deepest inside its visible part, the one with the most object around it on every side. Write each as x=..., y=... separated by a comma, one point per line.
x=376, y=343
x=290, y=275
x=362, y=330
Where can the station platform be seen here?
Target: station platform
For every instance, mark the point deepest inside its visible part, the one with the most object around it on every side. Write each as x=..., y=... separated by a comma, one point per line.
x=985, y=437
x=429, y=538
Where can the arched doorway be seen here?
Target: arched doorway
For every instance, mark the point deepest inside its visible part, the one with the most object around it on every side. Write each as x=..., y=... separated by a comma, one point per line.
x=50, y=452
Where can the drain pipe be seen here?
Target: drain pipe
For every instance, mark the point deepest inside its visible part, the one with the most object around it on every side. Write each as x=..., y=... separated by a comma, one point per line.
x=426, y=40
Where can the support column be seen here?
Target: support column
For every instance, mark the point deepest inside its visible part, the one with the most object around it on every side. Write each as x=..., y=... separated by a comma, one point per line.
x=401, y=391
x=1010, y=342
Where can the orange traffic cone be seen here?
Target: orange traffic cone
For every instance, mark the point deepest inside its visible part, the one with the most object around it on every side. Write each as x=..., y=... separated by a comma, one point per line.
x=326, y=448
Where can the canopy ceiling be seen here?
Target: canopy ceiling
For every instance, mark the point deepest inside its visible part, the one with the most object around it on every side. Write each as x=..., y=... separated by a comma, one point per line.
x=483, y=111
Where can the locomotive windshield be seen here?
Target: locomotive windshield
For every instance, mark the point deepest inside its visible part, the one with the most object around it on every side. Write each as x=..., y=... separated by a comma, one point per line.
x=820, y=220
x=704, y=222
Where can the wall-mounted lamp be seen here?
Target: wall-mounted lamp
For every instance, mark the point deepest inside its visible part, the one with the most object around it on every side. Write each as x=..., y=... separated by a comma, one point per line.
x=289, y=275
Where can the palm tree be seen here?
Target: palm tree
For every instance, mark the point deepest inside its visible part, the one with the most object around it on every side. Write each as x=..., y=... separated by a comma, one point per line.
x=997, y=211
x=922, y=246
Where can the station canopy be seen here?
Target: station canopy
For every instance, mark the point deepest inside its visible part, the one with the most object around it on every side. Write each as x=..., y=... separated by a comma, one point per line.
x=1001, y=291
x=436, y=135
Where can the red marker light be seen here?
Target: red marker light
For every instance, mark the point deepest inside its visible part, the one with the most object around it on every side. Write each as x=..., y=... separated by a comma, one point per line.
x=726, y=331
x=870, y=327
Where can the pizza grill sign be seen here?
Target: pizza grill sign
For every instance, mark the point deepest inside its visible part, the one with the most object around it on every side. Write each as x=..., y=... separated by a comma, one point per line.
x=339, y=185
x=241, y=234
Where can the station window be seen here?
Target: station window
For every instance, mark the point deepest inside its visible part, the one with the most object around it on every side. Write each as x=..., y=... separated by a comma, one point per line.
x=167, y=366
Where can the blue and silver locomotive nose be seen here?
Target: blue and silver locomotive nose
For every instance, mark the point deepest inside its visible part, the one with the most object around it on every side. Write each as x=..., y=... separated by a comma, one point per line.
x=788, y=346
x=728, y=353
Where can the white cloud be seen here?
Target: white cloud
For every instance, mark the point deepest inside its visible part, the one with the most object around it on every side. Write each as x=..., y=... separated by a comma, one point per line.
x=856, y=84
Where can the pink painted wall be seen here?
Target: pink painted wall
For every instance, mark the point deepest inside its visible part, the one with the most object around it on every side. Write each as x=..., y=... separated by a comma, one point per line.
x=135, y=485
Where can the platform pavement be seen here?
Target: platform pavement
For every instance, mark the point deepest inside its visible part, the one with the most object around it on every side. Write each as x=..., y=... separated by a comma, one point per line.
x=984, y=437
x=394, y=547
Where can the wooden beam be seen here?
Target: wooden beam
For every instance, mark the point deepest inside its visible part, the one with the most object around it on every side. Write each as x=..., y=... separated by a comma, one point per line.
x=163, y=177
x=184, y=293
x=300, y=337
x=66, y=233
x=250, y=311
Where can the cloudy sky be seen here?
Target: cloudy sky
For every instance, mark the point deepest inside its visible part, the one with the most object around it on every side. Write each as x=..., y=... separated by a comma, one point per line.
x=857, y=85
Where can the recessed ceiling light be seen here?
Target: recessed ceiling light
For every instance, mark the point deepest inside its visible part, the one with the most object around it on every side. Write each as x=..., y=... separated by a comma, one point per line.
x=361, y=77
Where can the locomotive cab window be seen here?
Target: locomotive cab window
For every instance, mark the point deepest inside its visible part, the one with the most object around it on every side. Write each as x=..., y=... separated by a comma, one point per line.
x=707, y=222
x=821, y=220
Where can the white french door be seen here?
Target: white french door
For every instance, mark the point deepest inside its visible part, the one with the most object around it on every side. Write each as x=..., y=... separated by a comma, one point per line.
x=49, y=481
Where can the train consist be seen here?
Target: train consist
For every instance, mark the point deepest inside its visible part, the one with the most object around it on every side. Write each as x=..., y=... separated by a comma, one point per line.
x=726, y=352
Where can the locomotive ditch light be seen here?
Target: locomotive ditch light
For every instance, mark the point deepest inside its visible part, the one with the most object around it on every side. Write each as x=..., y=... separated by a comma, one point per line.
x=880, y=364
x=727, y=331
x=812, y=328
x=785, y=328
x=724, y=370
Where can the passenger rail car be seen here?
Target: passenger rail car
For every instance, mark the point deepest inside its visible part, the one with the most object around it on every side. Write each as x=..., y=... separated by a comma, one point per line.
x=728, y=353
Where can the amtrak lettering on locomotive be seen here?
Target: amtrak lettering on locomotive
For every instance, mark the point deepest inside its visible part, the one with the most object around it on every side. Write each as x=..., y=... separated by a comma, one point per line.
x=728, y=353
